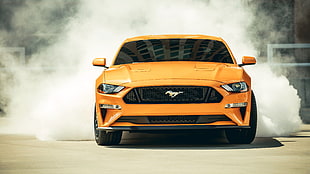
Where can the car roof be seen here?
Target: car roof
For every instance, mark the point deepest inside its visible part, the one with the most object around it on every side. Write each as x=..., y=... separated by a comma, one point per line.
x=173, y=36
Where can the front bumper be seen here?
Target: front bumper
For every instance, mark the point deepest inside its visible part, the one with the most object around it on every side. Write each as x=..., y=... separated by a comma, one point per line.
x=109, y=120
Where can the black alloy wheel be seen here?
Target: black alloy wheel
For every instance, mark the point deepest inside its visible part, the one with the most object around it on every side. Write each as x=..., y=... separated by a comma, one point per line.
x=244, y=136
x=103, y=137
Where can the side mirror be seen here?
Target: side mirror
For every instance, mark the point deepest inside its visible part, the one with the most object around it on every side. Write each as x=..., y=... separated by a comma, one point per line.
x=248, y=60
x=99, y=62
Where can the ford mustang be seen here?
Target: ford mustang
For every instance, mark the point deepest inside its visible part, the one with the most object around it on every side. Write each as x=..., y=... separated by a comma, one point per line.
x=159, y=83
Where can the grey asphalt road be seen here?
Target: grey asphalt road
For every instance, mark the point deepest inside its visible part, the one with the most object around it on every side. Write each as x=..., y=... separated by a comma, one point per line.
x=157, y=153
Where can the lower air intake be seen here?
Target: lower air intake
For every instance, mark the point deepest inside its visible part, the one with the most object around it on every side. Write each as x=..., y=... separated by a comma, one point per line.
x=174, y=119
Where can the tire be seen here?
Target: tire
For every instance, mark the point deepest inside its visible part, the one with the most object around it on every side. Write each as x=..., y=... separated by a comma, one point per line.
x=244, y=136
x=106, y=138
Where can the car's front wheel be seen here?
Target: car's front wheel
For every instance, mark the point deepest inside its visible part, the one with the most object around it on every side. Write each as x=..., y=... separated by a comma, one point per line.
x=244, y=136
x=106, y=138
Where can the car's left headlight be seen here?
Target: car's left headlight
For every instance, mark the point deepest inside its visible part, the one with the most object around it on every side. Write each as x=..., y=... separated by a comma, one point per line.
x=236, y=87
x=109, y=89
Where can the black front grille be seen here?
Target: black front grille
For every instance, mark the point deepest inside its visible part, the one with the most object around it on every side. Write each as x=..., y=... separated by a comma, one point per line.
x=174, y=119
x=172, y=95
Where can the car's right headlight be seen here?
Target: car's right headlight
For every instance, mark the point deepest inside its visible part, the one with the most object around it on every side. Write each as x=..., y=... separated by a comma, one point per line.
x=109, y=89
x=236, y=87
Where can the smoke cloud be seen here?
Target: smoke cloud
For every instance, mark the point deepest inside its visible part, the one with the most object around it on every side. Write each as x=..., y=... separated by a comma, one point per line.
x=52, y=95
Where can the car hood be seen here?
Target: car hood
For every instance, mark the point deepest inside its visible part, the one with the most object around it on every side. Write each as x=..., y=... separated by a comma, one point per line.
x=127, y=73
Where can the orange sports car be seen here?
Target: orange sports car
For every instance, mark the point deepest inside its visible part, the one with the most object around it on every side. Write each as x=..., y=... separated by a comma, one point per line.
x=174, y=83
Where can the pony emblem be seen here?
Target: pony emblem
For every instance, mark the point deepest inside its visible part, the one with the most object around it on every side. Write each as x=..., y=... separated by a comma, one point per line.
x=173, y=94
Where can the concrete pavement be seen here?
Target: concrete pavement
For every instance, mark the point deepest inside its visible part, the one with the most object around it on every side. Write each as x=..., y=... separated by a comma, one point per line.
x=157, y=153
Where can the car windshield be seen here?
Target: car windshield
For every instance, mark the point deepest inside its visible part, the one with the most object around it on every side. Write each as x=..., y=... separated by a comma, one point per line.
x=157, y=50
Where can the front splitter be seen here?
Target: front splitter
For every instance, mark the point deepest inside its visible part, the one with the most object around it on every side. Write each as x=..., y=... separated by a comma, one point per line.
x=167, y=128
